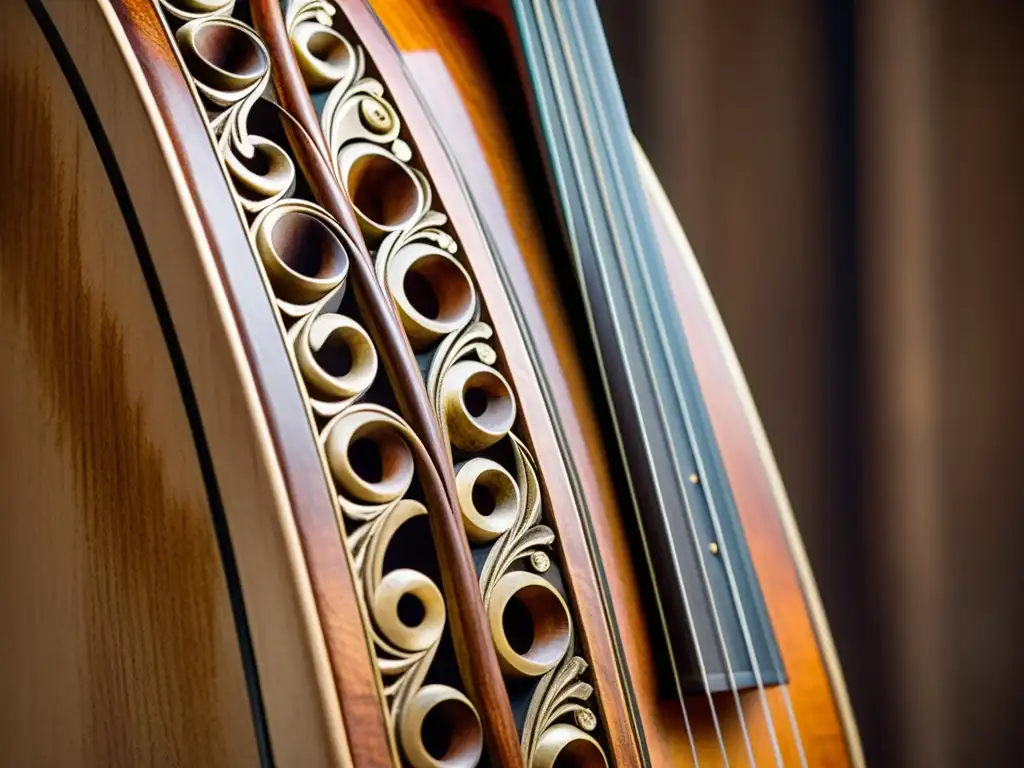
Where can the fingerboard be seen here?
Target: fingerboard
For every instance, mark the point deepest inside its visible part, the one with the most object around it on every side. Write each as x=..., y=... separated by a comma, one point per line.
x=710, y=605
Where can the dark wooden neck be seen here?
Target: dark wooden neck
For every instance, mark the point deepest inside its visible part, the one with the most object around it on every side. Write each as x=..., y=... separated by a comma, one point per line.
x=711, y=607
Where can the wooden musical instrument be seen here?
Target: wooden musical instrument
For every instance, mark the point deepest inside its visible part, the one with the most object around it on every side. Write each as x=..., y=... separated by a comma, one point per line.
x=365, y=406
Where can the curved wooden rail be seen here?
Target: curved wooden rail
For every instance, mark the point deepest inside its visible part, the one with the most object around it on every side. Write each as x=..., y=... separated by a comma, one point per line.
x=581, y=569
x=473, y=642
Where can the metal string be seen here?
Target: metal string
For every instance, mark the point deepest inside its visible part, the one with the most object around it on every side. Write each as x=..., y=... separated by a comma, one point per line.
x=587, y=206
x=603, y=186
x=709, y=497
x=734, y=592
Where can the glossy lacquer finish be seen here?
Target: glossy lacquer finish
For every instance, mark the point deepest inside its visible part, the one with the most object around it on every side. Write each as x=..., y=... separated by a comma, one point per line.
x=202, y=602
x=812, y=727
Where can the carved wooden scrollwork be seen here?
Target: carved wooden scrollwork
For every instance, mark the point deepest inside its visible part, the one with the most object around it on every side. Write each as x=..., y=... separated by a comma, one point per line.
x=371, y=454
x=417, y=260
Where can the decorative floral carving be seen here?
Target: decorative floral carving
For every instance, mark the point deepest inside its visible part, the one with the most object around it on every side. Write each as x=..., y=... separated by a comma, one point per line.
x=417, y=261
x=370, y=451
x=546, y=735
x=230, y=68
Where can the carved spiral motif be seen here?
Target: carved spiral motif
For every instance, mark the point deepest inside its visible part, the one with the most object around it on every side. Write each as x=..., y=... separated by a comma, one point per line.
x=416, y=259
x=230, y=68
x=488, y=497
x=373, y=482
x=302, y=251
x=549, y=741
x=186, y=10
x=371, y=453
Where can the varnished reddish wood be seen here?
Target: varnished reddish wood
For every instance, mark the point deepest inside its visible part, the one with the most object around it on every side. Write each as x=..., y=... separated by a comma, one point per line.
x=813, y=702
x=332, y=580
x=437, y=27
x=470, y=630
x=414, y=26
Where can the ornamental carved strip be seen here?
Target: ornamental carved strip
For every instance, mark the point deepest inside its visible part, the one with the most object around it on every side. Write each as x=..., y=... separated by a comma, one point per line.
x=418, y=263
x=370, y=454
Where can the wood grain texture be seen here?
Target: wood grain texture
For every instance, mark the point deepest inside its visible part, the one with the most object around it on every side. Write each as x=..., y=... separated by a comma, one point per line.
x=354, y=677
x=119, y=645
x=512, y=210
x=246, y=399
x=471, y=636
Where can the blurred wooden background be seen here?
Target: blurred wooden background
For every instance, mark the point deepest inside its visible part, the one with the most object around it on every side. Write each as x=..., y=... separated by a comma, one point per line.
x=851, y=175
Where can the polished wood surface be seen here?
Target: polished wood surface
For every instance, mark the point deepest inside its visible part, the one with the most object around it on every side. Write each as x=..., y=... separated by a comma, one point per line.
x=118, y=646
x=513, y=209
x=245, y=409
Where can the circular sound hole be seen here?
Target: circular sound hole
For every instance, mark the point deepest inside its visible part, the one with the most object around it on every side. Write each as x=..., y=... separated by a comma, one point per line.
x=230, y=49
x=487, y=401
x=421, y=295
x=437, y=735
x=476, y=400
x=439, y=289
x=411, y=611
x=450, y=732
x=335, y=355
x=483, y=499
x=383, y=191
x=517, y=622
x=366, y=460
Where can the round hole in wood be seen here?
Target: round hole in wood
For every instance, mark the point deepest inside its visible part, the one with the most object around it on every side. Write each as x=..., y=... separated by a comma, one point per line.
x=518, y=625
x=307, y=246
x=488, y=401
x=438, y=289
x=476, y=400
x=411, y=611
x=366, y=460
x=450, y=732
x=535, y=624
x=380, y=457
x=329, y=48
x=335, y=354
x=383, y=190
x=484, y=500
x=488, y=498
x=421, y=295
x=230, y=49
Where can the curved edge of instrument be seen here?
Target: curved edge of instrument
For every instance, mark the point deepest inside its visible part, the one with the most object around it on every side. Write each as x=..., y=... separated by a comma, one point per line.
x=805, y=575
x=296, y=694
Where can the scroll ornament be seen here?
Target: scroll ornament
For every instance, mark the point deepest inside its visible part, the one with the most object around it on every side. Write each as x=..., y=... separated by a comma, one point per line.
x=416, y=262
x=370, y=451
x=230, y=68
